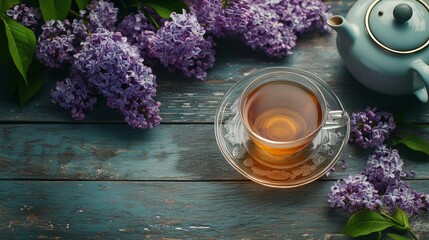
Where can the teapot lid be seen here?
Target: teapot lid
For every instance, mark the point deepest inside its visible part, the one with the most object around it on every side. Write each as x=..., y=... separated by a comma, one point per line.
x=399, y=26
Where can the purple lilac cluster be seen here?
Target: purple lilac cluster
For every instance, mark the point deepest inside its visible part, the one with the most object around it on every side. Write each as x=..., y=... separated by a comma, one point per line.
x=371, y=128
x=266, y=32
x=133, y=25
x=353, y=194
x=116, y=69
x=113, y=68
x=102, y=14
x=382, y=175
x=59, y=41
x=384, y=168
x=27, y=16
x=137, y=28
x=219, y=17
x=303, y=15
x=76, y=94
x=271, y=26
x=180, y=45
x=401, y=195
x=276, y=24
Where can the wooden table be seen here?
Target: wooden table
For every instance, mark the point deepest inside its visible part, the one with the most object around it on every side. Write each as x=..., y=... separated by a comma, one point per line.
x=101, y=179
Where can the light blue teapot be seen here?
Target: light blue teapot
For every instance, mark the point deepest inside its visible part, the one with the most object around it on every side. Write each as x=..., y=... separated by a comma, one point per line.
x=384, y=44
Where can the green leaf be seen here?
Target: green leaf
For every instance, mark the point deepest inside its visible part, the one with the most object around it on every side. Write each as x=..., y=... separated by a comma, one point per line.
x=25, y=92
x=55, y=9
x=402, y=218
x=21, y=43
x=365, y=222
x=6, y=4
x=165, y=8
x=81, y=4
x=162, y=11
x=415, y=143
x=397, y=237
x=16, y=82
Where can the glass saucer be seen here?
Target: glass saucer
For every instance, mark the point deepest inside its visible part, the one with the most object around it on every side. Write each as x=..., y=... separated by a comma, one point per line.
x=305, y=167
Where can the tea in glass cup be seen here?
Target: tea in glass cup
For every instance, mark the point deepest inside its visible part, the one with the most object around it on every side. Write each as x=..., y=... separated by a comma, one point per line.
x=282, y=113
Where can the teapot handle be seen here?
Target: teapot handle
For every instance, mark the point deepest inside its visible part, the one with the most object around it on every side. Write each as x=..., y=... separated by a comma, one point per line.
x=422, y=70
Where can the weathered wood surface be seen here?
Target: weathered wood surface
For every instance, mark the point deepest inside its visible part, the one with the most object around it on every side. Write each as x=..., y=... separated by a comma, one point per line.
x=101, y=179
x=118, y=152
x=171, y=210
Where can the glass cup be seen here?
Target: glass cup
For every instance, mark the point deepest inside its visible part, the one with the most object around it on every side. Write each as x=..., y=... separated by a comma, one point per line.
x=282, y=113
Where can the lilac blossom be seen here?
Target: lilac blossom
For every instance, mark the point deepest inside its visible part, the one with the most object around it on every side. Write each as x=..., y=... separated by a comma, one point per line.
x=59, y=41
x=220, y=17
x=384, y=168
x=271, y=26
x=27, y=16
x=401, y=196
x=302, y=15
x=137, y=29
x=76, y=94
x=275, y=24
x=354, y=193
x=267, y=32
x=115, y=70
x=133, y=25
x=102, y=14
x=371, y=128
x=180, y=45
x=383, y=176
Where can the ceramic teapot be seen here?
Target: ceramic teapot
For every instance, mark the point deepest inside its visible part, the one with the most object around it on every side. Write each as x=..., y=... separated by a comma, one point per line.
x=384, y=44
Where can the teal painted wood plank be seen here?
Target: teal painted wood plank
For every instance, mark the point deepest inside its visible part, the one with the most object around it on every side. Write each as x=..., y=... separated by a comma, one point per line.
x=177, y=210
x=117, y=152
x=109, y=152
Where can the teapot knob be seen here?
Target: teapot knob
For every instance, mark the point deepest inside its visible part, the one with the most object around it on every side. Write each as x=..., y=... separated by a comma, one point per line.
x=402, y=12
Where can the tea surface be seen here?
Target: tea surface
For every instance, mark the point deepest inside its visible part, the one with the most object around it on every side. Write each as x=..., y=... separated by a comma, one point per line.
x=281, y=111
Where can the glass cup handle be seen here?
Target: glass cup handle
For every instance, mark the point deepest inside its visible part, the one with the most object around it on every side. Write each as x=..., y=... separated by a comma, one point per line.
x=336, y=119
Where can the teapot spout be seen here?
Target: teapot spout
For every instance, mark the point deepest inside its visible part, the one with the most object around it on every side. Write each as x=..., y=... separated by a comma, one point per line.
x=346, y=32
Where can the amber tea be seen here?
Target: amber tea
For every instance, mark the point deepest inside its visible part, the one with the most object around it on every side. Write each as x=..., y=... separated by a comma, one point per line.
x=282, y=111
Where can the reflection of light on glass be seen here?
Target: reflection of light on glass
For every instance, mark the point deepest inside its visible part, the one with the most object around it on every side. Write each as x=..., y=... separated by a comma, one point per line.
x=234, y=128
